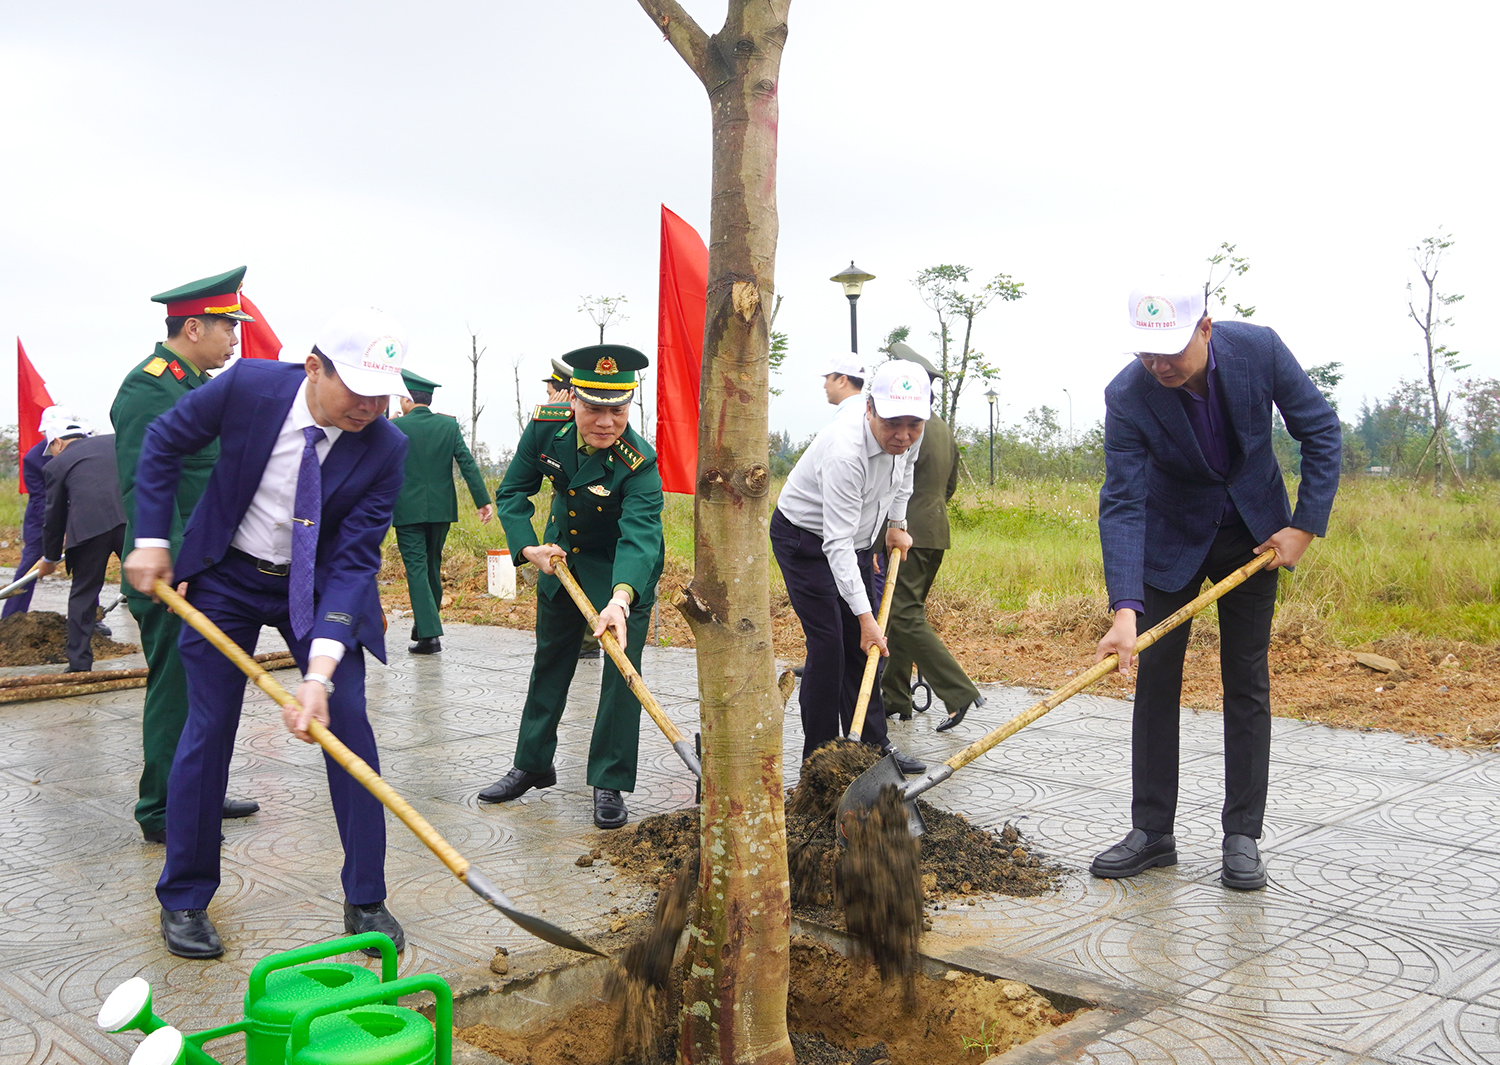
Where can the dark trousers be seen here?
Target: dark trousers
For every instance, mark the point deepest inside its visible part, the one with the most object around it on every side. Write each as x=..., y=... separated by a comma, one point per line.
x=165, y=710
x=240, y=599
x=31, y=553
x=835, y=664
x=87, y=562
x=616, y=741
x=421, y=547
x=1244, y=639
x=911, y=641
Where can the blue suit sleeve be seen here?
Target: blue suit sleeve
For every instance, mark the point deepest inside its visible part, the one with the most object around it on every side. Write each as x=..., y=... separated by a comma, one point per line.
x=1315, y=425
x=1122, y=508
x=188, y=427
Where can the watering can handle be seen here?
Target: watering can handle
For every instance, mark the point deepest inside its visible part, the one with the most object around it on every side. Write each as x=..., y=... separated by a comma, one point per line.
x=317, y=952
x=407, y=985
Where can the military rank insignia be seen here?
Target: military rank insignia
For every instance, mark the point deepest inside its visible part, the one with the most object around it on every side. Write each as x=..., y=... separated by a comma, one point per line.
x=156, y=366
x=554, y=412
x=633, y=458
x=177, y=371
x=598, y=489
x=606, y=366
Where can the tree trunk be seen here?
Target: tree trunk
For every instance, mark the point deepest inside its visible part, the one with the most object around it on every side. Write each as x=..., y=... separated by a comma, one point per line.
x=734, y=999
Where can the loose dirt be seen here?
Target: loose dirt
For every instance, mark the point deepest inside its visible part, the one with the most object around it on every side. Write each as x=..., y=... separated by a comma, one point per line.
x=40, y=637
x=840, y=1014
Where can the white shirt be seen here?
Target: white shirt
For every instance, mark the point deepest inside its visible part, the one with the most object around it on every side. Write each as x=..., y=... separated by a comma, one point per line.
x=841, y=489
x=849, y=405
x=265, y=531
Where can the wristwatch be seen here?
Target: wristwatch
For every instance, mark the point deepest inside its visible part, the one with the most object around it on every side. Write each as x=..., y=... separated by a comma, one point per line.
x=894, y=523
x=320, y=679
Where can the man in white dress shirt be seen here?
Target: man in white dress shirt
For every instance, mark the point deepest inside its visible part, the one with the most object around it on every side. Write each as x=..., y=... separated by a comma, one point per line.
x=852, y=482
x=844, y=382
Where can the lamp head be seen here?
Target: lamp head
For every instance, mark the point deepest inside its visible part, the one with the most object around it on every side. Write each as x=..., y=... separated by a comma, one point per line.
x=853, y=279
x=128, y=1007
x=991, y=395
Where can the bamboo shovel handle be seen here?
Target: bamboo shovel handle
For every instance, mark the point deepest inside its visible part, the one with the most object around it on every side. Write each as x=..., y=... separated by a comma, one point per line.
x=612, y=647
x=14, y=587
x=872, y=658
x=356, y=766
x=1108, y=665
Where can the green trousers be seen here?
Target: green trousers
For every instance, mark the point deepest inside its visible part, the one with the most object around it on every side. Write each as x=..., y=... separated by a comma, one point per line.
x=617, y=723
x=912, y=642
x=166, y=706
x=421, y=547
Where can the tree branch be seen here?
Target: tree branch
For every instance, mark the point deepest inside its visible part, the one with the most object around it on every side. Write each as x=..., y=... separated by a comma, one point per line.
x=678, y=27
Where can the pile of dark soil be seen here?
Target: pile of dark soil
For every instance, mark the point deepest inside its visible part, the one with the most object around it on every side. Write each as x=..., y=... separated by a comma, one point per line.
x=40, y=637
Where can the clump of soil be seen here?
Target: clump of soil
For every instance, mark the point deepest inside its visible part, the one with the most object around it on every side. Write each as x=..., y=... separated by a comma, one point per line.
x=879, y=885
x=839, y=1013
x=40, y=637
x=638, y=984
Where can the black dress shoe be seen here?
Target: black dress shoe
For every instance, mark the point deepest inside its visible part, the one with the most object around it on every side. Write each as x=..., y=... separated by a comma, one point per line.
x=240, y=807
x=1134, y=855
x=590, y=653
x=373, y=917
x=609, y=809
x=797, y=670
x=517, y=783
x=101, y=629
x=190, y=934
x=1244, y=869
x=426, y=645
x=906, y=763
x=955, y=719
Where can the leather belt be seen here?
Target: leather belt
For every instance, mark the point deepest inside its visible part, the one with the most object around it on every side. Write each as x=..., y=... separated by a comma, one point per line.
x=272, y=569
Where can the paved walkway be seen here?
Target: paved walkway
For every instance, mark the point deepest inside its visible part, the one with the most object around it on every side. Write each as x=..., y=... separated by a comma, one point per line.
x=1377, y=940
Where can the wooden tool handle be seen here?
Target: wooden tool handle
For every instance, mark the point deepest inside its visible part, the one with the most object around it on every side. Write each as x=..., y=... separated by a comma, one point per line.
x=356, y=766
x=617, y=655
x=1108, y=665
x=872, y=657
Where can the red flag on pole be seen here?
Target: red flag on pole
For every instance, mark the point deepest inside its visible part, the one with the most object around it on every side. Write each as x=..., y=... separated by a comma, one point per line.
x=31, y=400
x=257, y=340
x=682, y=305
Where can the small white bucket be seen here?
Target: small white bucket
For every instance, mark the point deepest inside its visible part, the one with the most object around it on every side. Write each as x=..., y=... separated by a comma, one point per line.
x=502, y=574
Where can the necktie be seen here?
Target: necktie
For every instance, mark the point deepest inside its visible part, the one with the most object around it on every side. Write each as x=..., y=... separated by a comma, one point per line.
x=306, y=511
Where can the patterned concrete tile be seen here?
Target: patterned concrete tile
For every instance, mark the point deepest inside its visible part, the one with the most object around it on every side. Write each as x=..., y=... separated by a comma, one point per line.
x=1168, y=1037
x=1444, y=812
x=1450, y=1033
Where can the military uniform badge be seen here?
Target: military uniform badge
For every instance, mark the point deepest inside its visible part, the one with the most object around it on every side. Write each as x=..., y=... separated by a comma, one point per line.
x=156, y=367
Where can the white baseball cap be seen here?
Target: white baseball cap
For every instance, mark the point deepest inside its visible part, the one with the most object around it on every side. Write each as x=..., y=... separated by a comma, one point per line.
x=849, y=364
x=901, y=389
x=57, y=428
x=367, y=347
x=54, y=413
x=1162, y=316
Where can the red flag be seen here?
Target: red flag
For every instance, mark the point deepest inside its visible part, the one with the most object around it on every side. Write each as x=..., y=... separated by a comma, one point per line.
x=257, y=340
x=683, y=302
x=31, y=400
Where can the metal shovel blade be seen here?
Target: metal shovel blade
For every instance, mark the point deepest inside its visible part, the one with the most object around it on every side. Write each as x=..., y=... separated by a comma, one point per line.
x=860, y=795
x=482, y=886
x=18, y=586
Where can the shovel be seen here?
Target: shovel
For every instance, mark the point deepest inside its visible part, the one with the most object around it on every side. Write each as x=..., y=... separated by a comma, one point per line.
x=867, y=683
x=862, y=793
x=16, y=587
x=360, y=770
x=633, y=679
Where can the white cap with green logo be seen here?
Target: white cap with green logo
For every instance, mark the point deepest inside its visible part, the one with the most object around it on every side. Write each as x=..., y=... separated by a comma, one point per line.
x=367, y=348
x=901, y=389
x=1162, y=316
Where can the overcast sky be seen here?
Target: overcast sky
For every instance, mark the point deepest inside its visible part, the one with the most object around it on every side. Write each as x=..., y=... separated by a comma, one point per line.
x=485, y=165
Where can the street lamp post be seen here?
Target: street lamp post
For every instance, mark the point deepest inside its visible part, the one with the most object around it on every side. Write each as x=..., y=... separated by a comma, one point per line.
x=853, y=279
x=991, y=396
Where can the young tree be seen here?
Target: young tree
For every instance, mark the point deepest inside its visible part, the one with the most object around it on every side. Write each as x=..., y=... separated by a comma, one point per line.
x=779, y=343
x=734, y=999
x=1440, y=359
x=1218, y=280
x=943, y=288
x=604, y=310
x=476, y=408
x=515, y=367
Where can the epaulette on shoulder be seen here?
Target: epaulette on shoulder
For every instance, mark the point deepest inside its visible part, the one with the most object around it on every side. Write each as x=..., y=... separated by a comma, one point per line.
x=633, y=458
x=155, y=366
x=552, y=412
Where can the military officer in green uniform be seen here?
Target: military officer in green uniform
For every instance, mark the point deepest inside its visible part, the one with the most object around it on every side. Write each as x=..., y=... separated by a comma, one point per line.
x=201, y=319
x=428, y=504
x=606, y=523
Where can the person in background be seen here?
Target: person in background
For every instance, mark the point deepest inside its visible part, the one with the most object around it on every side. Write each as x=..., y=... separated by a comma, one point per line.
x=32, y=464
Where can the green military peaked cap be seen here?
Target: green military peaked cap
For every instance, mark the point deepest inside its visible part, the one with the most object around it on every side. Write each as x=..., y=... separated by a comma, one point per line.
x=560, y=375
x=604, y=374
x=900, y=350
x=219, y=294
x=416, y=382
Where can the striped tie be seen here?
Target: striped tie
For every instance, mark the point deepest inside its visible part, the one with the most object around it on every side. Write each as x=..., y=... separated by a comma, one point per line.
x=307, y=509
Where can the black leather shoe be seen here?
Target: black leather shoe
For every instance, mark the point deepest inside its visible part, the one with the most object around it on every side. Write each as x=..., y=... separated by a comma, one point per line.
x=240, y=807
x=590, y=654
x=907, y=764
x=797, y=670
x=426, y=645
x=373, y=918
x=955, y=719
x=1134, y=855
x=101, y=629
x=190, y=934
x=1244, y=869
x=517, y=783
x=609, y=809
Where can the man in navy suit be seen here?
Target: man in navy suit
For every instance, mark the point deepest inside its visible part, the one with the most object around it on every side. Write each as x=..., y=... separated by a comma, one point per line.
x=1192, y=491
x=32, y=464
x=286, y=534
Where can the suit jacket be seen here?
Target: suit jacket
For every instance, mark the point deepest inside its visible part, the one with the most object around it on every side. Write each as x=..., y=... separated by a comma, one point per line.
x=437, y=443
x=83, y=495
x=934, y=480
x=606, y=507
x=244, y=409
x=1161, y=503
x=32, y=464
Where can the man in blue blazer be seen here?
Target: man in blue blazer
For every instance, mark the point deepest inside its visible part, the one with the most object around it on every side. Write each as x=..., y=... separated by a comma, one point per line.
x=1192, y=491
x=286, y=534
x=32, y=464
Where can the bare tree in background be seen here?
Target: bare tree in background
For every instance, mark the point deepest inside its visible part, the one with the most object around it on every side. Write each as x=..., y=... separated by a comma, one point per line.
x=735, y=996
x=604, y=310
x=515, y=366
x=1428, y=314
x=475, y=407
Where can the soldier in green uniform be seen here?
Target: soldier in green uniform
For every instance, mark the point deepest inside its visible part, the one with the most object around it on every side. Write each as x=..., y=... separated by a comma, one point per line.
x=428, y=505
x=606, y=522
x=201, y=318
